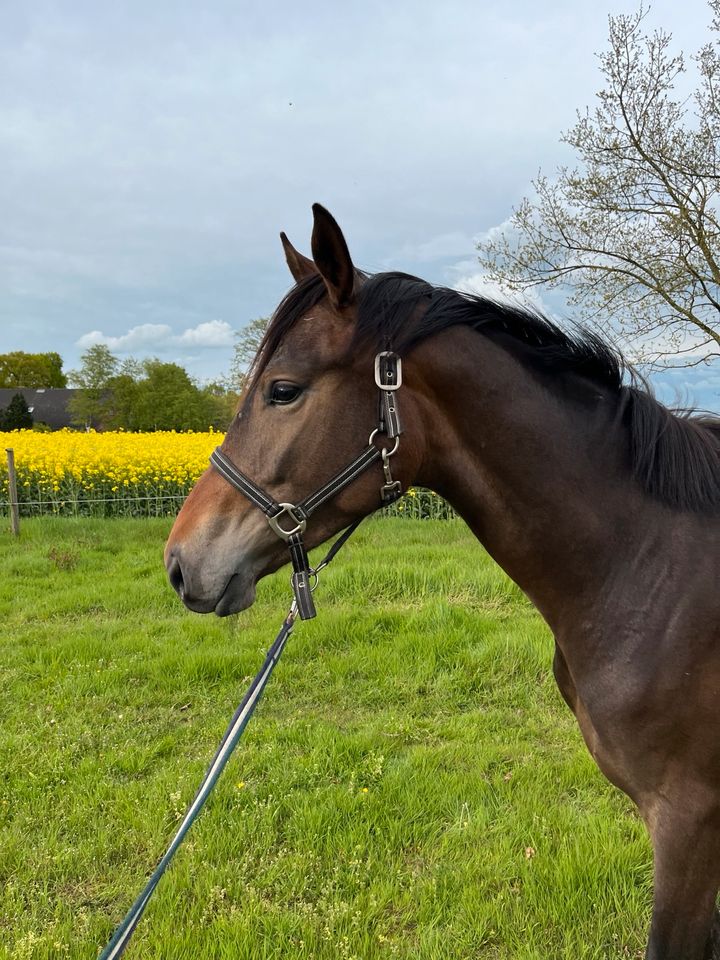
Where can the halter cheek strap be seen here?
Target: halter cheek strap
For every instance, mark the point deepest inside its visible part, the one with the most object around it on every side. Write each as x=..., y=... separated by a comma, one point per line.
x=288, y=521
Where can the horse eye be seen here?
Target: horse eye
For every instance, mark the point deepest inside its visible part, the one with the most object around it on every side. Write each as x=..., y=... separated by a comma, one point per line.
x=284, y=392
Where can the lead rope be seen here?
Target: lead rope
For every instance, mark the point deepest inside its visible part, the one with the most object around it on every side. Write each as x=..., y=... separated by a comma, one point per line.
x=121, y=937
x=388, y=378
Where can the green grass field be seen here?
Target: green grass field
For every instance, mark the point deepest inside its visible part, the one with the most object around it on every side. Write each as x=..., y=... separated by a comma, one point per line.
x=411, y=786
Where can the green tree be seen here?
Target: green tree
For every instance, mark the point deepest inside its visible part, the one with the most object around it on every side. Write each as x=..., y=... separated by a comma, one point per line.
x=121, y=403
x=247, y=344
x=31, y=370
x=91, y=404
x=16, y=415
x=222, y=403
x=167, y=399
x=634, y=230
x=132, y=368
x=145, y=395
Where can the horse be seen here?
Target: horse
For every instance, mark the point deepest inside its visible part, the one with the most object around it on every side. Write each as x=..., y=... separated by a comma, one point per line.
x=602, y=504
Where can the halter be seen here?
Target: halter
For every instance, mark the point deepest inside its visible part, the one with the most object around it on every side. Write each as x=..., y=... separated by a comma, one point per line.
x=288, y=520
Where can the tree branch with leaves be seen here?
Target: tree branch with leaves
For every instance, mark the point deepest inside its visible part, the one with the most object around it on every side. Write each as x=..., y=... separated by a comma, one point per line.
x=634, y=230
x=247, y=344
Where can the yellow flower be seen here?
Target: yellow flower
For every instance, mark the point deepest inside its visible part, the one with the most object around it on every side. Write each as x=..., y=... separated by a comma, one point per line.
x=75, y=465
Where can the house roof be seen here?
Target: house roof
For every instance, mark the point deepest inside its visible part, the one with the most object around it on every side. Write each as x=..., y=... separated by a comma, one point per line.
x=47, y=405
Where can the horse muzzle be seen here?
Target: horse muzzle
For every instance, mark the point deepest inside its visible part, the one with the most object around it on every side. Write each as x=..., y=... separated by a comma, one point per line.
x=208, y=591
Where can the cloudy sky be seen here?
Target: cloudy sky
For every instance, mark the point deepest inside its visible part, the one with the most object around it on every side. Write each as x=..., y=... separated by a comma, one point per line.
x=151, y=153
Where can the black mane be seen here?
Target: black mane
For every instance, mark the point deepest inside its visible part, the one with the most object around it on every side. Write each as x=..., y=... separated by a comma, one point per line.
x=674, y=454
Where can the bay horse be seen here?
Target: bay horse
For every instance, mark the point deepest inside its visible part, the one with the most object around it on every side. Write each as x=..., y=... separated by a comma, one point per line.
x=599, y=502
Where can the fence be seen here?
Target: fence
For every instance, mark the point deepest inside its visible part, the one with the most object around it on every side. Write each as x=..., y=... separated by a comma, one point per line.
x=417, y=504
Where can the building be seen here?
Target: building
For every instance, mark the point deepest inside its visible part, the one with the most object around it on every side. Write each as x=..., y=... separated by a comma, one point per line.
x=46, y=404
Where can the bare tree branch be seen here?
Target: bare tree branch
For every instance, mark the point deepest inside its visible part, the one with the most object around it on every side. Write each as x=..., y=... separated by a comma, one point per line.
x=634, y=230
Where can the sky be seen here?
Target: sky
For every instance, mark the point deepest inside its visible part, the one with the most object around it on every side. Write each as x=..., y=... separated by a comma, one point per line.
x=150, y=154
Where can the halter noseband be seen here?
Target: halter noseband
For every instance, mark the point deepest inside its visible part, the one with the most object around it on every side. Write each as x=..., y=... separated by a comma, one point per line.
x=288, y=520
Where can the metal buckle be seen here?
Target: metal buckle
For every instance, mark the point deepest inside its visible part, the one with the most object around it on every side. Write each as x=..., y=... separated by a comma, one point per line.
x=391, y=489
x=289, y=509
x=394, y=375
x=385, y=454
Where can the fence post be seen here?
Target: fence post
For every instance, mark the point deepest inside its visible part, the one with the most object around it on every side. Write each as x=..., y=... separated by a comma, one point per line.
x=12, y=490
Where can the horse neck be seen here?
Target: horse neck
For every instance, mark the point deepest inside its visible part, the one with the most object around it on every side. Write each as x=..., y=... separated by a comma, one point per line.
x=541, y=479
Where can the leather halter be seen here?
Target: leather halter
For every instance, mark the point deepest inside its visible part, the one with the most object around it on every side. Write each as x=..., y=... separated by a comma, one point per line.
x=288, y=520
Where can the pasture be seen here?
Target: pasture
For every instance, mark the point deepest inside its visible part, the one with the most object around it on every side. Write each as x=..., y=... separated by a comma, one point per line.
x=412, y=785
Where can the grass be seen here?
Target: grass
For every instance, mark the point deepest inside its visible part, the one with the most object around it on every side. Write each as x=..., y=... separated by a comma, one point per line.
x=411, y=786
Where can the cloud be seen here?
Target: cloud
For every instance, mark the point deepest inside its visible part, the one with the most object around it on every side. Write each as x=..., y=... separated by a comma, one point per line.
x=680, y=387
x=444, y=245
x=215, y=333
x=468, y=278
x=144, y=149
x=477, y=281
x=137, y=338
x=160, y=337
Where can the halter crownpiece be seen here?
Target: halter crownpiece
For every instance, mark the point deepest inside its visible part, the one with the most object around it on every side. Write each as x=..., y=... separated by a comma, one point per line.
x=288, y=520
x=388, y=378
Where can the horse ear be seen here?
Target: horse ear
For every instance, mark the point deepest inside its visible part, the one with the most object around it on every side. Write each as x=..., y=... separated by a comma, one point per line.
x=332, y=257
x=300, y=266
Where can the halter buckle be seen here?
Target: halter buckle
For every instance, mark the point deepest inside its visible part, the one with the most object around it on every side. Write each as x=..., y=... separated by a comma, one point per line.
x=388, y=370
x=299, y=521
x=391, y=491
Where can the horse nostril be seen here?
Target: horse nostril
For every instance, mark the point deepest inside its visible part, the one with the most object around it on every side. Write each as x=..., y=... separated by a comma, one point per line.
x=175, y=575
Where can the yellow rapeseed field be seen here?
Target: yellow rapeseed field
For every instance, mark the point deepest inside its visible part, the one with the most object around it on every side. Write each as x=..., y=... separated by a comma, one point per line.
x=105, y=473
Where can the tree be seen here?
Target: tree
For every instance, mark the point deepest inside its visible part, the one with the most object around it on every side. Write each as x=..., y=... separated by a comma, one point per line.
x=634, y=230
x=120, y=410
x=222, y=401
x=145, y=395
x=91, y=403
x=247, y=344
x=16, y=416
x=167, y=399
x=31, y=370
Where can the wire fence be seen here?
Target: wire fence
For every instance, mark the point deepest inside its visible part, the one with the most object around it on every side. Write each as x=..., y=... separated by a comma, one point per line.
x=165, y=505
x=417, y=504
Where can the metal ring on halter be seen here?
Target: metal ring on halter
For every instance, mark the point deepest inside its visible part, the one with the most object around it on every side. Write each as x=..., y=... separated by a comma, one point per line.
x=315, y=574
x=375, y=432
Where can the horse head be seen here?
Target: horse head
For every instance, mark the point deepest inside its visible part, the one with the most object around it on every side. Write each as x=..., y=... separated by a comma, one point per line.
x=309, y=408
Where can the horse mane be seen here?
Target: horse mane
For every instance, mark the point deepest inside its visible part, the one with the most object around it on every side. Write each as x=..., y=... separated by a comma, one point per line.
x=675, y=454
